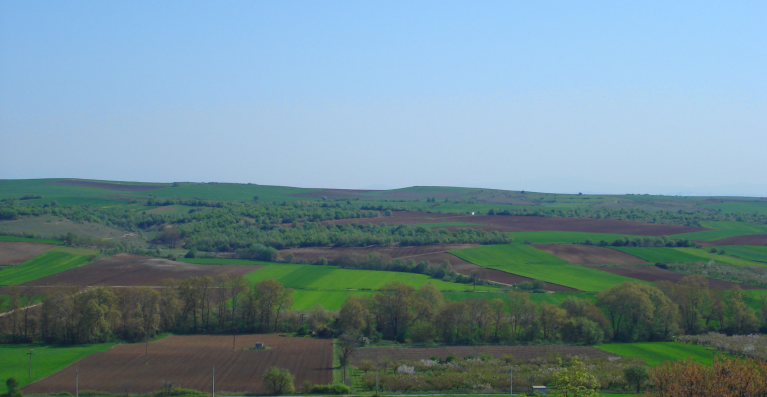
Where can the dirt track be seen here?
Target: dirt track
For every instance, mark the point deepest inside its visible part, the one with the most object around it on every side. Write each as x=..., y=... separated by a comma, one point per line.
x=382, y=354
x=589, y=255
x=751, y=239
x=654, y=273
x=188, y=362
x=131, y=270
x=15, y=252
x=505, y=223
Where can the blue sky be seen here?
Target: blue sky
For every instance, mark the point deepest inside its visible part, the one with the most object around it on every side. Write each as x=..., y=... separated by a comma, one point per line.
x=614, y=97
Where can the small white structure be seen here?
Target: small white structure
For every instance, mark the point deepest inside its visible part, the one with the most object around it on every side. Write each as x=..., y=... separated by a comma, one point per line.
x=472, y=213
x=259, y=345
x=539, y=389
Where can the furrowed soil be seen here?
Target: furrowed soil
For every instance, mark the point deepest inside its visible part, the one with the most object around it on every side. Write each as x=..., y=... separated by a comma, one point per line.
x=188, y=362
x=503, y=223
x=15, y=252
x=134, y=270
x=654, y=273
x=589, y=255
x=109, y=186
x=751, y=239
x=381, y=354
x=435, y=254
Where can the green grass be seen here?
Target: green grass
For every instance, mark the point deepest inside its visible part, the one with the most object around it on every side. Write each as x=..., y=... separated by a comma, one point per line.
x=528, y=261
x=703, y=252
x=659, y=352
x=738, y=207
x=46, y=360
x=564, y=237
x=30, y=240
x=332, y=278
x=661, y=254
x=330, y=300
x=723, y=230
x=49, y=263
x=756, y=253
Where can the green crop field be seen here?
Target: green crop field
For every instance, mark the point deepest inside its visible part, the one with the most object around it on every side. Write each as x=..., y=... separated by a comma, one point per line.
x=722, y=230
x=661, y=254
x=46, y=359
x=659, y=352
x=564, y=237
x=51, y=262
x=528, y=261
x=703, y=252
x=741, y=207
x=757, y=253
x=332, y=278
x=330, y=300
x=30, y=240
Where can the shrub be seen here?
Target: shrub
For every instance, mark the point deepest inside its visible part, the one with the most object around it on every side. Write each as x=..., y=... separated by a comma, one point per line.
x=279, y=381
x=335, y=388
x=13, y=388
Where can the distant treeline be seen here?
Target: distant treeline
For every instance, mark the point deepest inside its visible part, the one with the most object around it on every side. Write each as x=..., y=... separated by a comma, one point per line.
x=632, y=311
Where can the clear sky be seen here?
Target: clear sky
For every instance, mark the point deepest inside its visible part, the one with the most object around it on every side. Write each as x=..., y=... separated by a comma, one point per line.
x=611, y=96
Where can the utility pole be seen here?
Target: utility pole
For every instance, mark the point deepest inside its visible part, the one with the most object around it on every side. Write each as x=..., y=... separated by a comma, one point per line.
x=30, y=363
x=214, y=381
x=511, y=380
x=234, y=336
x=146, y=352
x=77, y=382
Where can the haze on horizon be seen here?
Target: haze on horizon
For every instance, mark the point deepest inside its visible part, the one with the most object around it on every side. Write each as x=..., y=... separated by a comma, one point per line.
x=599, y=97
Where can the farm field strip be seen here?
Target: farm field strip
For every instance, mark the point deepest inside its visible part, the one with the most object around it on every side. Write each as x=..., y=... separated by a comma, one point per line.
x=654, y=273
x=661, y=254
x=589, y=255
x=527, y=261
x=16, y=252
x=334, y=278
x=187, y=361
x=30, y=240
x=719, y=258
x=659, y=352
x=565, y=237
x=722, y=230
x=757, y=253
x=330, y=300
x=46, y=359
x=518, y=352
x=47, y=264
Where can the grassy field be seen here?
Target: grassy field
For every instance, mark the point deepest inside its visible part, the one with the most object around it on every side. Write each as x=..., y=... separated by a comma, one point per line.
x=527, y=261
x=738, y=207
x=51, y=262
x=46, y=360
x=661, y=254
x=659, y=352
x=703, y=252
x=722, y=230
x=30, y=240
x=332, y=278
x=564, y=237
x=755, y=253
x=330, y=300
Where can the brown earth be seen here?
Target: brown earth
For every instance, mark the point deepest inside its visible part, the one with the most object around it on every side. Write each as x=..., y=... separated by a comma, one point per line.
x=505, y=223
x=109, y=186
x=188, y=362
x=134, y=270
x=589, y=254
x=435, y=254
x=654, y=273
x=751, y=239
x=15, y=252
x=382, y=354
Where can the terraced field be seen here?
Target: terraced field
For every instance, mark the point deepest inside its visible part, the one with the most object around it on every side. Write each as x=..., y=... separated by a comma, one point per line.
x=530, y=262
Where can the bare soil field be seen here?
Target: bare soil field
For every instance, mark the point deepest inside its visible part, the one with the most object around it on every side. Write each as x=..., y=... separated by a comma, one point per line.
x=505, y=223
x=589, y=255
x=188, y=362
x=134, y=270
x=654, y=273
x=382, y=354
x=109, y=186
x=751, y=239
x=435, y=254
x=15, y=252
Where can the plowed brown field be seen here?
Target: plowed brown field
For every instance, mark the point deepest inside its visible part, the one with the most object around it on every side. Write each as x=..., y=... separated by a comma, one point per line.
x=505, y=223
x=751, y=239
x=654, y=273
x=589, y=254
x=381, y=354
x=130, y=270
x=188, y=362
x=15, y=252
x=109, y=186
